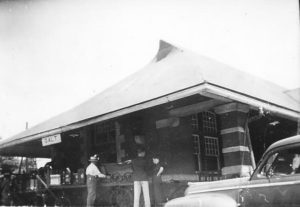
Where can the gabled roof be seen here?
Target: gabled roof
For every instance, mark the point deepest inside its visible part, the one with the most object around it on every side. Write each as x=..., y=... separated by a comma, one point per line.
x=294, y=94
x=172, y=71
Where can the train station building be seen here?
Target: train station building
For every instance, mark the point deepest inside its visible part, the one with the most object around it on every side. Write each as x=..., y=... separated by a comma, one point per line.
x=206, y=120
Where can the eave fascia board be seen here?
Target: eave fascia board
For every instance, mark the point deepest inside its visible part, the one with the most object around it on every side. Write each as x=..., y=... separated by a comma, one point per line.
x=221, y=93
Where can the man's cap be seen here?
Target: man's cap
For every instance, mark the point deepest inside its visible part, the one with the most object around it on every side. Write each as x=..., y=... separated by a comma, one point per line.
x=94, y=158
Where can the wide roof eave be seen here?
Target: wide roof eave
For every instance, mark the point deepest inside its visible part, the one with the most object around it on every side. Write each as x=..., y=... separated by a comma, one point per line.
x=204, y=89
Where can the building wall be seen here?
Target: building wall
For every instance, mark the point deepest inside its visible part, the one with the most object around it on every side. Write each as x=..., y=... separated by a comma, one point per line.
x=168, y=136
x=173, y=138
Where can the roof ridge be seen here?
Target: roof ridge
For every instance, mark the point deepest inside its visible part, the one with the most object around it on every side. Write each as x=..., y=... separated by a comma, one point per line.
x=165, y=48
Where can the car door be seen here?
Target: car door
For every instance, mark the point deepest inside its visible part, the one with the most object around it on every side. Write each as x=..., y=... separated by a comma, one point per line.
x=276, y=182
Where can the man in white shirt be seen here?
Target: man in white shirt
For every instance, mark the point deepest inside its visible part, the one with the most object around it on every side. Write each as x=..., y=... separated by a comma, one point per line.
x=92, y=172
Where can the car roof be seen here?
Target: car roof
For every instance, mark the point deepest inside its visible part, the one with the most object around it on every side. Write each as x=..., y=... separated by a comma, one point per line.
x=287, y=141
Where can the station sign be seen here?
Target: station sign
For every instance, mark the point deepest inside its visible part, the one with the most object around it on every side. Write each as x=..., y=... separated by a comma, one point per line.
x=54, y=139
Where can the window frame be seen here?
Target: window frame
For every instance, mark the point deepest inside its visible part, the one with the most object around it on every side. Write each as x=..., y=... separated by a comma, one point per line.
x=257, y=175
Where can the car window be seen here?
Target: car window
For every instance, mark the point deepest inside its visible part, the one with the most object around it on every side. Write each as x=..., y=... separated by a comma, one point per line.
x=282, y=163
x=268, y=164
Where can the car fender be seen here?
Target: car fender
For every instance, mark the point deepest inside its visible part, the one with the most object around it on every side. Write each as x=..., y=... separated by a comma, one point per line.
x=203, y=200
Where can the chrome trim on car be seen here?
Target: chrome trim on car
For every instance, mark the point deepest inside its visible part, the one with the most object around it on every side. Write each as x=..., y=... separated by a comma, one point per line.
x=272, y=184
x=247, y=186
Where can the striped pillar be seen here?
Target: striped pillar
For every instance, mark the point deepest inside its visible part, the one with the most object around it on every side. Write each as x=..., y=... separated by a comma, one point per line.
x=235, y=147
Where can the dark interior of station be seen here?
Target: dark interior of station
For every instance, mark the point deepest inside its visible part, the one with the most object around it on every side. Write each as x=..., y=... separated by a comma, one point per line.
x=268, y=129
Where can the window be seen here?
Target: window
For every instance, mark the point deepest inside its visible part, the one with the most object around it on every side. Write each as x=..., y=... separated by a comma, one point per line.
x=284, y=162
x=195, y=122
x=211, y=146
x=105, y=141
x=209, y=123
x=105, y=133
x=205, y=142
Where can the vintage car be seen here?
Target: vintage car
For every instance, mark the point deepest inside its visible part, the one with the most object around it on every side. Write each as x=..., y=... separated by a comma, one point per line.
x=274, y=183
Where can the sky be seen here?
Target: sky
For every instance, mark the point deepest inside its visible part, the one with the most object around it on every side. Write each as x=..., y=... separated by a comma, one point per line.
x=55, y=54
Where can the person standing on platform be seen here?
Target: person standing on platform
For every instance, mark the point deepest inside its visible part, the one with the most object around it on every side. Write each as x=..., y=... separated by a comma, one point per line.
x=157, y=170
x=140, y=178
x=92, y=173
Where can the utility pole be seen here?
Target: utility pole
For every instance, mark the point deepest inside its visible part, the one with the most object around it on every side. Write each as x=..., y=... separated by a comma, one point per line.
x=26, y=159
x=298, y=129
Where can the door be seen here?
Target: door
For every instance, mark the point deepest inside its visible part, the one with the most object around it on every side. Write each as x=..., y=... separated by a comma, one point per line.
x=276, y=183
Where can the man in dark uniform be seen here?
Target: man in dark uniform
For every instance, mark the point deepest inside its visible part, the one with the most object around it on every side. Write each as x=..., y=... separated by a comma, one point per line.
x=157, y=170
x=140, y=178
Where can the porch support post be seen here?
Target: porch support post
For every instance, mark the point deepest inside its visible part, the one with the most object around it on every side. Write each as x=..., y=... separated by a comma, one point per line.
x=235, y=146
x=85, y=146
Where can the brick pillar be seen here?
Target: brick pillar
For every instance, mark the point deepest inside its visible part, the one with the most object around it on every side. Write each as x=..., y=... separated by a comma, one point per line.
x=235, y=146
